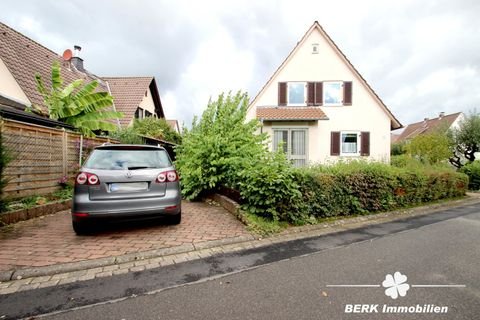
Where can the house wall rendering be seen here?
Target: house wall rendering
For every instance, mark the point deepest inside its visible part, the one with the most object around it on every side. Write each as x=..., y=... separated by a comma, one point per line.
x=316, y=60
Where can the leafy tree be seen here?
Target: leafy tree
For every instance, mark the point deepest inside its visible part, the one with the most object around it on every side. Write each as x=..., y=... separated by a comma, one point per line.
x=156, y=128
x=219, y=146
x=466, y=139
x=127, y=135
x=430, y=148
x=78, y=104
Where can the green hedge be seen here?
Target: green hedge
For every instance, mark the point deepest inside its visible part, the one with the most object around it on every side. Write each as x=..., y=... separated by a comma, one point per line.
x=472, y=170
x=345, y=189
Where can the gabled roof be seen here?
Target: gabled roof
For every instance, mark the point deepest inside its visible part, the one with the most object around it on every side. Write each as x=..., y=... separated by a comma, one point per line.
x=25, y=57
x=174, y=125
x=428, y=126
x=290, y=113
x=395, y=124
x=128, y=92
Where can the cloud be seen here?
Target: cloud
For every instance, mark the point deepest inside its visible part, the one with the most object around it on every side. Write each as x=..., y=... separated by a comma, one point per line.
x=420, y=57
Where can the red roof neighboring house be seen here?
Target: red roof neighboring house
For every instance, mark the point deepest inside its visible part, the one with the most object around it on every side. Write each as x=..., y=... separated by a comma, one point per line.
x=23, y=57
x=128, y=94
x=442, y=122
x=174, y=125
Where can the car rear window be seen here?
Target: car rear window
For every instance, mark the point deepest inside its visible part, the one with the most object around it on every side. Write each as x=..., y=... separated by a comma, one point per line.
x=108, y=159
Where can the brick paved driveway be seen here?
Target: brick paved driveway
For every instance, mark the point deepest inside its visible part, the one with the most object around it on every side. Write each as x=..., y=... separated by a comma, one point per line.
x=50, y=240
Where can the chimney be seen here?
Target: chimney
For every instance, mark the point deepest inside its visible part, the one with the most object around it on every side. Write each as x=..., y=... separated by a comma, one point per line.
x=76, y=60
x=441, y=115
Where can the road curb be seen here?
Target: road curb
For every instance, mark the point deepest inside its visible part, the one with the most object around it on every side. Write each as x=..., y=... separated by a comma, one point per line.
x=108, y=261
x=201, y=249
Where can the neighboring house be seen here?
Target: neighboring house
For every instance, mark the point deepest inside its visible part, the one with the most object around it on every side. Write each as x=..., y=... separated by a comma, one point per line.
x=443, y=122
x=136, y=97
x=21, y=58
x=174, y=125
x=319, y=108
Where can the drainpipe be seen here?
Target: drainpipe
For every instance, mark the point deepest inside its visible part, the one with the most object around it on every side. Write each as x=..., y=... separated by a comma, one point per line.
x=261, y=125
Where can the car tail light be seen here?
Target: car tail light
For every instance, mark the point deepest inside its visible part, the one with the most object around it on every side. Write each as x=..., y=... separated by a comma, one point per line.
x=87, y=178
x=167, y=176
x=80, y=214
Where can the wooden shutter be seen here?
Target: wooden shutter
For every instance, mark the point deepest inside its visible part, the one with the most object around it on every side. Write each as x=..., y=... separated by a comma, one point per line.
x=318, y=93
x=365, y=147
x=347, y=93
x=282, y=93
x=335, y=143
x=311, y=94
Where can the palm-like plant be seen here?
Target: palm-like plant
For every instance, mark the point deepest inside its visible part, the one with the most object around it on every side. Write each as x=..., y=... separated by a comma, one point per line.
x=78, y=104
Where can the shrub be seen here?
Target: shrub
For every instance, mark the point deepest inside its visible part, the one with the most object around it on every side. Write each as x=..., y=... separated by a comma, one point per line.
x=360, y=188
x=472, y=170
x=156, y=128
x=219, y=146
x=430, y=148
x=127, y=135
x=268, y=189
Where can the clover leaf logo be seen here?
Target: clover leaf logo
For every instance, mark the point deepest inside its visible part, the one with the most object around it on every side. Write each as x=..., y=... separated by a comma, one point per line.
x=396, y=285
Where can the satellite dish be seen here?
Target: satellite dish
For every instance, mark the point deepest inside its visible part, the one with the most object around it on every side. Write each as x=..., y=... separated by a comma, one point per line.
x=67, y=55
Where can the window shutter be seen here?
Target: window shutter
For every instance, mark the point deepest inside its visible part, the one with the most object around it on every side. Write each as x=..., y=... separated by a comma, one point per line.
x=311, y=94
x=282, y=93
x=318, y=93
x=335, y=143
x=365, y=147
x=347, y=93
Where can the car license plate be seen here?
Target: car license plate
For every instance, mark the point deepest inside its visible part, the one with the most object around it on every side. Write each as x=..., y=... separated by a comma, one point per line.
x=130, y=186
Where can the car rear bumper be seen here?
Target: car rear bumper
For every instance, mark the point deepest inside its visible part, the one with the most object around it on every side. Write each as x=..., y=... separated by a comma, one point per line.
x=84, y=209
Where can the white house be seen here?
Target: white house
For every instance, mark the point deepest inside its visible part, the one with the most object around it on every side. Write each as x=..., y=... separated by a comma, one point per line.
x=321, y=108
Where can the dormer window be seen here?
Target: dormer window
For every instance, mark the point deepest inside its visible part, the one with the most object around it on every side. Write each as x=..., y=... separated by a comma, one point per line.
x=297, y=93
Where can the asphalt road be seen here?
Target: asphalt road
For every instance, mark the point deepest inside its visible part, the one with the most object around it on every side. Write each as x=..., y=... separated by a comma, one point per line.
x=291, y=280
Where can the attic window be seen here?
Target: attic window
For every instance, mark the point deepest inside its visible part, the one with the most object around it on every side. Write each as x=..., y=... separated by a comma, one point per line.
x=315, y=48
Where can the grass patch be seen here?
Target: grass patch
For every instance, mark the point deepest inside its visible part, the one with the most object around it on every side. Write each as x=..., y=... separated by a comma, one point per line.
x=263, y=226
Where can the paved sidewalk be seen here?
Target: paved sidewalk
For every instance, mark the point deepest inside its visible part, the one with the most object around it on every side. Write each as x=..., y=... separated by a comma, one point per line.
x=59, y=274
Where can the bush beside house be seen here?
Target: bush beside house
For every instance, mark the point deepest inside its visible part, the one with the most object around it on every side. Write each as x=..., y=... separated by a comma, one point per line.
x=223, y=150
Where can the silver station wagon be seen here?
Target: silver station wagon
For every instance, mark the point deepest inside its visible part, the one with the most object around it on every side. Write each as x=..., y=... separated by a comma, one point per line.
x=125, y=182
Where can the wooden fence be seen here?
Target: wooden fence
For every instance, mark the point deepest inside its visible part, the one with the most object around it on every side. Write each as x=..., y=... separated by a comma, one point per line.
x=41, y=157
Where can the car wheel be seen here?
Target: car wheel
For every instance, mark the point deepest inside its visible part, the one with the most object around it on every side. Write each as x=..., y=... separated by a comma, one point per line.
x=176, y=219
x=80, y=229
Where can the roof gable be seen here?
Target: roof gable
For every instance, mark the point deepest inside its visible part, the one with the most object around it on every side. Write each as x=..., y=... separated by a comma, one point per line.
x=25, y=57
x=428, y=126
x=128, y=92
x=395, y=124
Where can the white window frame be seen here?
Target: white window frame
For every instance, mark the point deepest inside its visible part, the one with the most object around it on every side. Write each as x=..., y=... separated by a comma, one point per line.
x=289, y=137
x=359, y=144
x=304, y=94
x=325, y=91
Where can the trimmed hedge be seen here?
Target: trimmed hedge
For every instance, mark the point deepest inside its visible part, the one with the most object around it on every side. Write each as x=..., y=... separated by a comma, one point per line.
x=472, y=170
x=348, y=189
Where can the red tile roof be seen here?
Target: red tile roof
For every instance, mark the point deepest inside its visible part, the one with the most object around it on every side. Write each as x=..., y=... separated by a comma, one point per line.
x=127, y=94
x=24, y=58
x=290, y=113
x=427, y=126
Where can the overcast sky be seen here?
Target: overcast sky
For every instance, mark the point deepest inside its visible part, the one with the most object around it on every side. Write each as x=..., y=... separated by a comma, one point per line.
x=421, y=57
